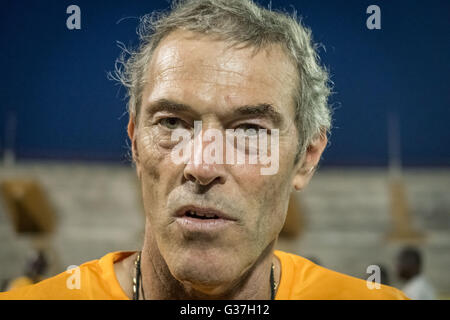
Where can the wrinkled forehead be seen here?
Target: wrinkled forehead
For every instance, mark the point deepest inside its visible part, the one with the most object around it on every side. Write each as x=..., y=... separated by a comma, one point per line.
x=199, y=64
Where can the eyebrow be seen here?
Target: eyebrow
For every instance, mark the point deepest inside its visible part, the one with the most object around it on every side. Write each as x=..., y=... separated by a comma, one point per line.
x=168, y=106
x=261, y=110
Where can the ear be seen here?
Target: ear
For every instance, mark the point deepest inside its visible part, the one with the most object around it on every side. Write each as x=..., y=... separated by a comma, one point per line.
x=132, y=135
x=307, y=164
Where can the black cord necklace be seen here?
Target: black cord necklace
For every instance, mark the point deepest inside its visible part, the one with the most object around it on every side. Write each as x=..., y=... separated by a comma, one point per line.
x=137, y=279
x=138, y=286
x=273, y=285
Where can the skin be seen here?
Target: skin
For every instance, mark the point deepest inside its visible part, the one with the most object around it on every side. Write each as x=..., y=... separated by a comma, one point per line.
x=407, y=267
x=214, y=80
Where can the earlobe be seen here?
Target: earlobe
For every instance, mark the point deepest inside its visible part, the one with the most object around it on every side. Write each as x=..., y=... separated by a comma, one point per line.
x=302, y=178
x=297, y=185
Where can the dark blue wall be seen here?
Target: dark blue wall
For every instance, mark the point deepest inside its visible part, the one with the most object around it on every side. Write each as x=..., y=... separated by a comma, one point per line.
x=54, y=80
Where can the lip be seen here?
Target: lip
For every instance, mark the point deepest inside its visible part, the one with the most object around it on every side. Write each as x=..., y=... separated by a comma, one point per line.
x=222, y=221
x=203, y=210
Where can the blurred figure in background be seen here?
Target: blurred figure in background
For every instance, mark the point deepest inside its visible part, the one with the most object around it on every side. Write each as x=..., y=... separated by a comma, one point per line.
x=384, y=275
x=409, y=269
x=34, y=271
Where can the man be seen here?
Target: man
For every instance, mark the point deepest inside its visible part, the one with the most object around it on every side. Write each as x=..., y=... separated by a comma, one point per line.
x=409, y=269
x=211, y=226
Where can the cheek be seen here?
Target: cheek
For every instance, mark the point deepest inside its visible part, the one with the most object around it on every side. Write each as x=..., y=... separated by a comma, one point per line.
x=275, y=202
x=150, y=157
x=154, y=147
x=155, y=165
x=270, y=193
x=268, y=186
x=267, y=200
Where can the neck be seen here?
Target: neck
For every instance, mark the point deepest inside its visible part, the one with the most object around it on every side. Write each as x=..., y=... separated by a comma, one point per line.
x=159, y=284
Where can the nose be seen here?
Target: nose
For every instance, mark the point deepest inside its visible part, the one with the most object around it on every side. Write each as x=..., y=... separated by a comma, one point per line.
x=204, y=174
x=201, y=172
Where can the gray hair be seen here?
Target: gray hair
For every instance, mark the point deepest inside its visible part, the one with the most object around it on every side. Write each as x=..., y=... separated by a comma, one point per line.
x=238, y=22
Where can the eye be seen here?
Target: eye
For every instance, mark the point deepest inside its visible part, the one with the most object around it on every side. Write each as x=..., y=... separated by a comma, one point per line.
x=171, y=123
x=250, y=129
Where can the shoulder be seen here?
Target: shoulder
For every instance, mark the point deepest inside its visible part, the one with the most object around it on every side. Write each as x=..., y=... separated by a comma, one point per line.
x=91, y=280
x=303, y=279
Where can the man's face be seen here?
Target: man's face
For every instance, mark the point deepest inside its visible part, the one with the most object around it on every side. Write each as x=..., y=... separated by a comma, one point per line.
x=194, y=78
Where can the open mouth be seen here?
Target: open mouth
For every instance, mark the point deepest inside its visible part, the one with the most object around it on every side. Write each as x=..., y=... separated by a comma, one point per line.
x=201, y=215
x=202, y=220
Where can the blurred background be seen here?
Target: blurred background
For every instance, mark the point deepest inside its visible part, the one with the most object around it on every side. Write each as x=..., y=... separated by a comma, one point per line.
x=68, y=192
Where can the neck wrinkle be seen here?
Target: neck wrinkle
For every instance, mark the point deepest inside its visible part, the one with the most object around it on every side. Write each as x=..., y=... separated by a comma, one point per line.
x=156, y=275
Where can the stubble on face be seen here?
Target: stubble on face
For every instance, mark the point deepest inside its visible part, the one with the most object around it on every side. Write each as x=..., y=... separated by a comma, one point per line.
x=213, y=79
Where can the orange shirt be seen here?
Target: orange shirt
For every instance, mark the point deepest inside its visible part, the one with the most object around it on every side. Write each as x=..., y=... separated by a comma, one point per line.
x=300, y=279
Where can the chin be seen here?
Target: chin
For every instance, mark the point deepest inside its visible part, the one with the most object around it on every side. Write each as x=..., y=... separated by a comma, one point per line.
x=204, y=269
